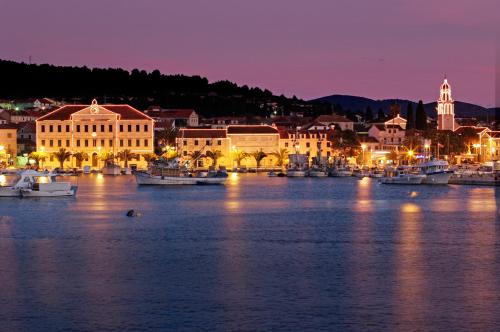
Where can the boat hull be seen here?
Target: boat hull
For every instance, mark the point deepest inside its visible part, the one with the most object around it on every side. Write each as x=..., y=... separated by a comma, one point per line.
x=318, y=174
x=146, y=179
x=437, y=178
x=402, y=180
x=295, y=174
x=55, y=193
x=9, y=192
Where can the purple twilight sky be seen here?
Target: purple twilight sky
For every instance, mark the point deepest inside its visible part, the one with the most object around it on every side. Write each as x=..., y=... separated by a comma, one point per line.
x=372, y=48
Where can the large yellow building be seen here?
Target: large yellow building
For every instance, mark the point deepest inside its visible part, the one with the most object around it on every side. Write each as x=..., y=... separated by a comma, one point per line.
x=96, y=130
x=8, y=143
x=230, y=141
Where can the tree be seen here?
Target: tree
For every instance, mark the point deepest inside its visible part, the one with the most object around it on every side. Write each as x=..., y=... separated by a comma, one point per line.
x=420, y=117
x=347, y=142
x=107, y=157
x=80, y=156
x=282, y=155
x=239, y=156
x=126, y=155
x=195, y=156
x=38, y=157
x=258, y=155
x=62, y=155
x=166, y=137
x=215, y=155
x=368, y=114
x=149, y=157
x=380, y=114
x=410, y=117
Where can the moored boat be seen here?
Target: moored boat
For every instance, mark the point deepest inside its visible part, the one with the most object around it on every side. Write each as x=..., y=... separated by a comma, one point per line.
x=31, y=183
x=435, y=171
x=401, y=175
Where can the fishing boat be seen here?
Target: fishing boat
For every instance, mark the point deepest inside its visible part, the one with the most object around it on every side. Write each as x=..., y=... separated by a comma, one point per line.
x=317, y=173
x=340, y=171
x=31, y=183
x=435, y=171
x=401, y=175
x=171, y=173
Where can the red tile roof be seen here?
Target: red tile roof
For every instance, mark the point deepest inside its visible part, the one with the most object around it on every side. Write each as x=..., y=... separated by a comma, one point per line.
x=126, y=112
x=202, y=133
x=251, y=130
x=172, y=113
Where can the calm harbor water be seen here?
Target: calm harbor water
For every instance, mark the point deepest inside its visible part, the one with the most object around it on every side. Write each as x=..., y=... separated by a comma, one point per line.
x=258, y=254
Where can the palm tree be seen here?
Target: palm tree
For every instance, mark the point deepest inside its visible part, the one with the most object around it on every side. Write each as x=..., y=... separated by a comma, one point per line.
x=126, y=155
x=62, y=155
x=166, y=137
x=282, y=155
x=258, y=156
x=107, y=157
x=169, y=154
x=80, y=157
x=214, y=155
x=149, y=157
x=195, y=156
x=239, y=156
x=38, y=157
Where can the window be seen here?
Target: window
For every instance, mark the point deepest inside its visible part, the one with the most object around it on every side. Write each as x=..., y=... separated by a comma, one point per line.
x=184, y=153
x=137, y=142
x=137, y=128
x=207, y=142
x=146, y=128
x=43, y=142
x=328, y=144
x=59, y=143
x=195, y=142
x=51, y=128
x=9, y=135
x=102, y=128
x=94, y=128
x=308, y=145
x=286, y=145
x=129, y=128
x=121, y=128
x=43, y=128
x=185, y=142
x=110, y=142
x=110, y=128
x=67, y=143
x=68, y=129
x=94, y=143
x=219, y=142
x=78, y=143
x=86, y=143
x=102, y=142
x=59, y=128
x=121, y=142
x=51, y=143
x=129, y=143
x=77, y=128
x=86, y=128
x=146, y=142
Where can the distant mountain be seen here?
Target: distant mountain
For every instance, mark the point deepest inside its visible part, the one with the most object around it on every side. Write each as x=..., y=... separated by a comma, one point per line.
x=359, y=104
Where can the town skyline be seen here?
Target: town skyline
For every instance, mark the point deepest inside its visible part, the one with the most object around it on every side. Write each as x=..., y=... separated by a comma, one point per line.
x=391, y=50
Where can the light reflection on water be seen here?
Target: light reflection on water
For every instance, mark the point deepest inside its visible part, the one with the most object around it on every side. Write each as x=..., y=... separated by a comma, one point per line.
x=258, y=254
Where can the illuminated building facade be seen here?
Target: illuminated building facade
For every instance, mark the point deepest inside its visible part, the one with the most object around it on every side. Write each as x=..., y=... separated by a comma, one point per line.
x=445, y=108
x=95, y=130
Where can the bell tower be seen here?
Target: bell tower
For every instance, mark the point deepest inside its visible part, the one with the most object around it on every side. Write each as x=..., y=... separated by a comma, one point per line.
x=445, y=108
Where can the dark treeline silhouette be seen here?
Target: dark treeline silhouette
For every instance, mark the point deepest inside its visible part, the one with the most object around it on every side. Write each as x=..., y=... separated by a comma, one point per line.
x=142, y=89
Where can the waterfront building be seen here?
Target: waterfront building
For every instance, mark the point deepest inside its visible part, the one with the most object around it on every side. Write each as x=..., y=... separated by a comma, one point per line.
x=231, y=141
x=446, y=108
x=23, y=116
x=95, y=130
x=489, y=145
x=8, y=142
x=389, y=136
x=342, y=122
x=178, y=117
x=313, y=143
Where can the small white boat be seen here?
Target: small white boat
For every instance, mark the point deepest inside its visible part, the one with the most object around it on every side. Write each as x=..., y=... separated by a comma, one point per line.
x=111, y=169
x=340, y=172
x=401, y=175
x=295, y=172
x=36, y=184
x=317, y=173
x=360, y=173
